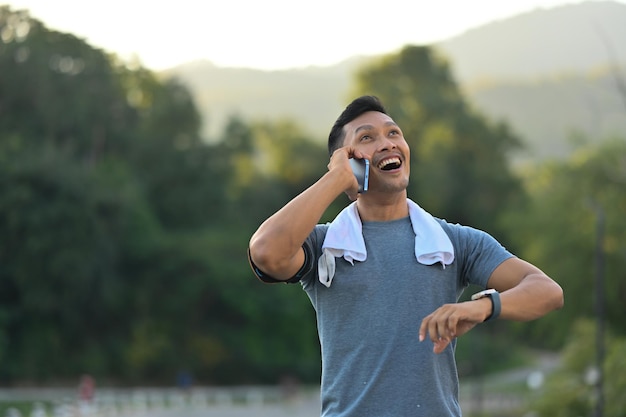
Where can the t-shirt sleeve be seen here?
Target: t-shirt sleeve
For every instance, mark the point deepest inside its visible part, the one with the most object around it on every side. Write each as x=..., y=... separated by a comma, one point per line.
x=314, y=245
x=312, y=248
x=477, y=252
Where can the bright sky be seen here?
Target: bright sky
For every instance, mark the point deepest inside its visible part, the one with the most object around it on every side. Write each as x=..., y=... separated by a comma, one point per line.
x=265, y=34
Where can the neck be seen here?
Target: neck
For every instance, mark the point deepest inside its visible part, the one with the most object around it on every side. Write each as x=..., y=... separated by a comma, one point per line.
x=381, y=210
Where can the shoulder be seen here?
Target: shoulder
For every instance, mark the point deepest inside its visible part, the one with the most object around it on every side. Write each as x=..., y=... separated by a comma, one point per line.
x=468, y=240
x=456, y=231
x=477, y=252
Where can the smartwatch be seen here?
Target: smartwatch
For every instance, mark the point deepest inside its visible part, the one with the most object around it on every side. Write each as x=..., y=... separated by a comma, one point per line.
x=496, y=306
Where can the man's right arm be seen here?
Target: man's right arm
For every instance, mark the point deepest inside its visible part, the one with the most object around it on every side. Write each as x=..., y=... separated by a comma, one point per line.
x=276, y=246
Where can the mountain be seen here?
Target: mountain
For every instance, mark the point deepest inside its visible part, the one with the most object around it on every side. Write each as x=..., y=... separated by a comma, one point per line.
x=548, y=73
x=313, y=96
x=549, y=113
x=572, y=38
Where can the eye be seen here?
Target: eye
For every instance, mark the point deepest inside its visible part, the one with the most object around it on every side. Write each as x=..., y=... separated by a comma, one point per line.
x=364, y=137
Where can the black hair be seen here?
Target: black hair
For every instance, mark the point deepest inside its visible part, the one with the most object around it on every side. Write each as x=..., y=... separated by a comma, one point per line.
x=358, y=106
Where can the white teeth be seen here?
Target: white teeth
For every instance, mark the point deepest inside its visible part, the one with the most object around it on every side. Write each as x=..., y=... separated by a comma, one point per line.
x=386, y=162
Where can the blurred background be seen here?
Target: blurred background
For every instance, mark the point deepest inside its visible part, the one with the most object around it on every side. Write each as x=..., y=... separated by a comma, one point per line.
x=128, y=194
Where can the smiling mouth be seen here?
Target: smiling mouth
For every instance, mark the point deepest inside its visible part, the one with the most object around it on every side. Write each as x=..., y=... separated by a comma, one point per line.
x=389, y=164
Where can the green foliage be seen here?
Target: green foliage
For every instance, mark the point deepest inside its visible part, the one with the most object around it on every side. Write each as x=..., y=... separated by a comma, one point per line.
x=268, y=164
x=488, y=350
x=22, y=407
x=571, y=391
x=557, y=230
x=66, y=232
x=123, y=235
x=57, y=90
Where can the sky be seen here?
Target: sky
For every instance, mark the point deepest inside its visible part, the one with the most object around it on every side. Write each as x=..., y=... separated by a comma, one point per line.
x=266, y=34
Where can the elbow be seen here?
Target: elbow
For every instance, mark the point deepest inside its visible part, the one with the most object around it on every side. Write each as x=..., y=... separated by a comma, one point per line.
x=553, y=297
x=550, y=298
x=263, y=257
x=257, y=253
x=558, y=299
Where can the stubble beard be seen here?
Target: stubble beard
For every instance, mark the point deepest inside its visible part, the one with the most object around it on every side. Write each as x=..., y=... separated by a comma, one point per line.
x=394, y=186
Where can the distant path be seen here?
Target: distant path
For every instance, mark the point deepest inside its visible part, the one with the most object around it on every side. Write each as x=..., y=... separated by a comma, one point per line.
x=298, y=409
x=477, y=396
x=166, y=402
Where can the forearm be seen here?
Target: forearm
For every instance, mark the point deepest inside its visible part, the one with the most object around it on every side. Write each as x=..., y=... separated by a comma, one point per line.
x=275, y=246
x=534, y=296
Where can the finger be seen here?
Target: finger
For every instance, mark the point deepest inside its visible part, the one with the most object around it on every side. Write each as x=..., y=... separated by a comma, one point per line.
x=339, y=157
x=452, y=324
x=422, y=331
x=433, y=330
x=443, y=332
x=440, y=345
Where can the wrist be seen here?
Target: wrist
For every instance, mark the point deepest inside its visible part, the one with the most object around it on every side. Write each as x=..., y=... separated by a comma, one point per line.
x=339, y=180
x=494, y=297
x=486, y=308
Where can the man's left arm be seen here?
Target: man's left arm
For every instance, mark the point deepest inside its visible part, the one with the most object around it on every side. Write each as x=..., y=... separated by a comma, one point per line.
x=525, y=293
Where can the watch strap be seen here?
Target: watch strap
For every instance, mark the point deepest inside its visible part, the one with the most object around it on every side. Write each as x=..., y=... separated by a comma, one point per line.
x=496, y=306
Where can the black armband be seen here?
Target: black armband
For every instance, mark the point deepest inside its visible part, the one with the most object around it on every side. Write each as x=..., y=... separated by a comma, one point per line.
x=306, y=268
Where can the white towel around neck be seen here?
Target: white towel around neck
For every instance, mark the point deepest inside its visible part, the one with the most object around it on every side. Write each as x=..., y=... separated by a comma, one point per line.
x=344, y=238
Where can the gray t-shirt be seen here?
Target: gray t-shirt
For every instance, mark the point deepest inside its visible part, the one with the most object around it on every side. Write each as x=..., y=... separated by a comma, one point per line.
x=373, y=364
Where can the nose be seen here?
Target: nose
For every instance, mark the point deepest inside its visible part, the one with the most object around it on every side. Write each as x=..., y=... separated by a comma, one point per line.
x=386, y=144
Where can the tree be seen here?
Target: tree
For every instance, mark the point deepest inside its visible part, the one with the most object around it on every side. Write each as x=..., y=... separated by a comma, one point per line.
x=271, y=162
x=557, y=230
x=57, y=90
x=68, y=233
x=570, y=390
x=101, y=167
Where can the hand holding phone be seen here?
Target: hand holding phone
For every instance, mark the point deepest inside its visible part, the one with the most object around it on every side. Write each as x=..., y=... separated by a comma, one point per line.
x=361, y=169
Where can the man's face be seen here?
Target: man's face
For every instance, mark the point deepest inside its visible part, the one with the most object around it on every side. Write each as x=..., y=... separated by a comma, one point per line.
x=380, y=139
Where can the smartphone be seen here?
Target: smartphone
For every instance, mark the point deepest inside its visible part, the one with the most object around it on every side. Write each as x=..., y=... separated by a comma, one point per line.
x=361, y=169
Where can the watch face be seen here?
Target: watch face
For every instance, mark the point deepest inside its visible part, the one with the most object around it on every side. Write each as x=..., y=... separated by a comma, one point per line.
x=482, y=294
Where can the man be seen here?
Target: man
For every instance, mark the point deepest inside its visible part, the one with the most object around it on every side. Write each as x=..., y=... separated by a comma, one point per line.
x=385, y=277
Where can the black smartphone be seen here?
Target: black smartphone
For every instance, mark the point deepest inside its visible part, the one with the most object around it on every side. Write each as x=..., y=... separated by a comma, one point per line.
x=361, y=169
